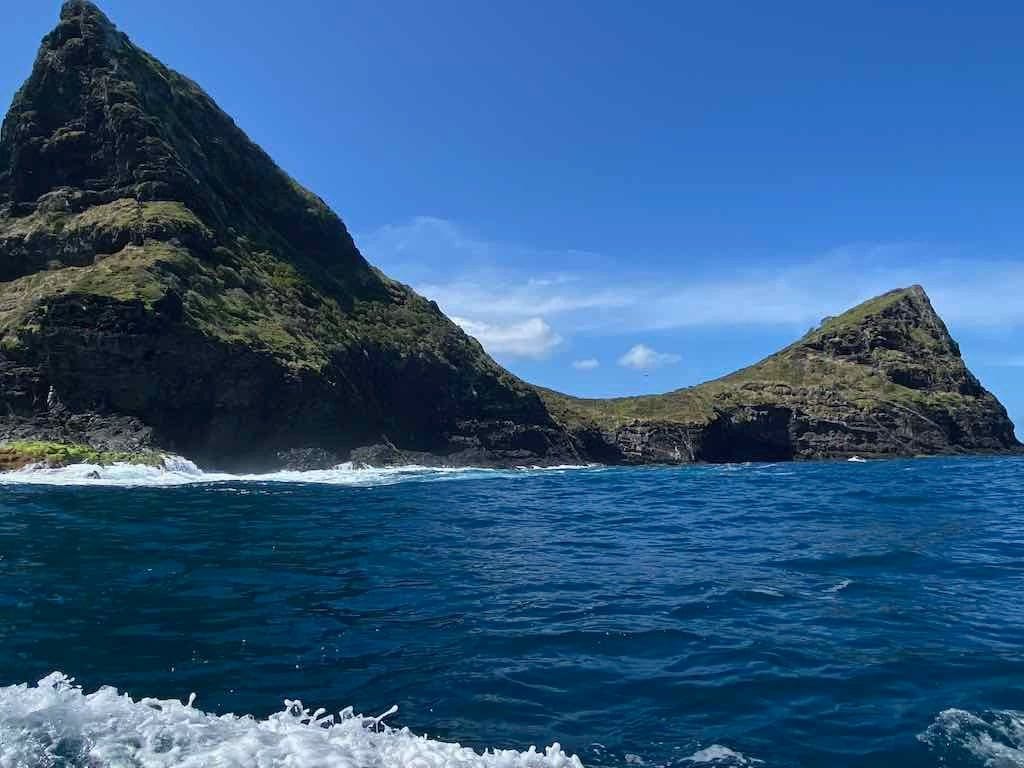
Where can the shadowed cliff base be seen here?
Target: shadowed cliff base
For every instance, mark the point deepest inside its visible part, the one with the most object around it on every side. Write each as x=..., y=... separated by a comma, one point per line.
x=164, y=286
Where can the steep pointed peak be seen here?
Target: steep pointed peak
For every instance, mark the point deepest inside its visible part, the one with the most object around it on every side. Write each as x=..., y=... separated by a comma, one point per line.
x=74, y=81
x=83, y=21
x=899, y=334
x=83, y=9
x=913, y=293
x=903, y=306
x=100, y=121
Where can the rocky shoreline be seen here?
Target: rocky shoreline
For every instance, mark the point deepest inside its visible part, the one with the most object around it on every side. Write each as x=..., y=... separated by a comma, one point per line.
x=166, y=288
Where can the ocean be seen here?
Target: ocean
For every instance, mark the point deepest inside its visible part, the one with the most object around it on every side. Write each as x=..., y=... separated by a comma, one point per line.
x=808, y=614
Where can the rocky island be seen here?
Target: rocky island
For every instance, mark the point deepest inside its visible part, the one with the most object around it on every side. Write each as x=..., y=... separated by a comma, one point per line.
x=166, y=288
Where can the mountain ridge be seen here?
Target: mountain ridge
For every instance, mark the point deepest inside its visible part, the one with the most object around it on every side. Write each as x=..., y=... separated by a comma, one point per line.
x=883, y=378
x=164, y=286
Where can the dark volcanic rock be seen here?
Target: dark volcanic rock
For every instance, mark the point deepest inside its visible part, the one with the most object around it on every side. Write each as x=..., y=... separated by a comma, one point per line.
x=159, y=271
x=164, y=285
x=884, y=379
x=305, y=459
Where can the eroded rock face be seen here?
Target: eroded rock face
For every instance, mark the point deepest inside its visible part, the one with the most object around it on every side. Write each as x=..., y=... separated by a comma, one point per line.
x=163, y=284
x=160, y=273
x=884, y=379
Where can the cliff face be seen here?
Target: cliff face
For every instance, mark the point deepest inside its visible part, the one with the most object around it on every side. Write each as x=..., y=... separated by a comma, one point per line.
x=884, y=379
x=164, y=285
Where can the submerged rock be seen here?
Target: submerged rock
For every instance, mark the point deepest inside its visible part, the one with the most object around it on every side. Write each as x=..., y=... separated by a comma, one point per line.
x=163, y=284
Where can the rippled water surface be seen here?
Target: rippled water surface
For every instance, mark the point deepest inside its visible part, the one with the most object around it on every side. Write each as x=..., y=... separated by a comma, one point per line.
x=826, y=614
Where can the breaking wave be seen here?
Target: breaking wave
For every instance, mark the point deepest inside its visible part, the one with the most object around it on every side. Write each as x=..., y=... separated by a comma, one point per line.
x=56, y=723
x=178, y=471
x=990, y=739
x=722, y=757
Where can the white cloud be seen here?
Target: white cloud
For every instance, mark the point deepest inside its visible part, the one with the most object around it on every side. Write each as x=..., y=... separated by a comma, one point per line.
x=533, y=296
x=967, y=291
x=504, y=285
x=532, y=338
x=642, y=358
x=429, y=249
x=586, y=365
x=421, y=235
x=493, y=281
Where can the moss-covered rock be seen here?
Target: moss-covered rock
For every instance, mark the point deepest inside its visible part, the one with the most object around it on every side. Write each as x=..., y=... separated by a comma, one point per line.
x=18, y=454
x=883, y=379
x=156, y=265
x=164, y=285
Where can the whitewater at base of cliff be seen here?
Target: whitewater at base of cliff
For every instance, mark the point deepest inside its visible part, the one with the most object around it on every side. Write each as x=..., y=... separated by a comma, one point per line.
x=179, y=471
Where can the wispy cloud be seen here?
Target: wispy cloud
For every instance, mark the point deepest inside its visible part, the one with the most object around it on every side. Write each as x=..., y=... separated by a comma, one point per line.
x=532, y=338
x=510, y=293
x=423, y=235
x=640, y=357
x=530, y=297
x=428, y=249
x=967, y=290
x=586, y=365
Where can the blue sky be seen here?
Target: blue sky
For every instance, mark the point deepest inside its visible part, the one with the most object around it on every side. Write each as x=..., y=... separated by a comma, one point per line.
x=631, y=197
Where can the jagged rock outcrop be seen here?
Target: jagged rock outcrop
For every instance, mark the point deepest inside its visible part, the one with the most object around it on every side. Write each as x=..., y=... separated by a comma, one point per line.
x=175, y=288
x=165, y=286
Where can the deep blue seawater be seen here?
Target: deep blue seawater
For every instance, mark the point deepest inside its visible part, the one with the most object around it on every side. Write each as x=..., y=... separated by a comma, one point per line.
x=817, y=614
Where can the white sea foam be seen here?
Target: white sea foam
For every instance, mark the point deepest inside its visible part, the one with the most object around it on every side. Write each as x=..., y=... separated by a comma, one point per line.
x=840, y=586
x=767, y=591
x=56, y=723
x=717, y=755
x=990, y=739
x=180, y=471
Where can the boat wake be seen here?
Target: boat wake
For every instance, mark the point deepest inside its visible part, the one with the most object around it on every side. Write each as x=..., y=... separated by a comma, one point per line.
x=718, y=756
x=178, y=471
x=56, y=723
x=993, y=739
